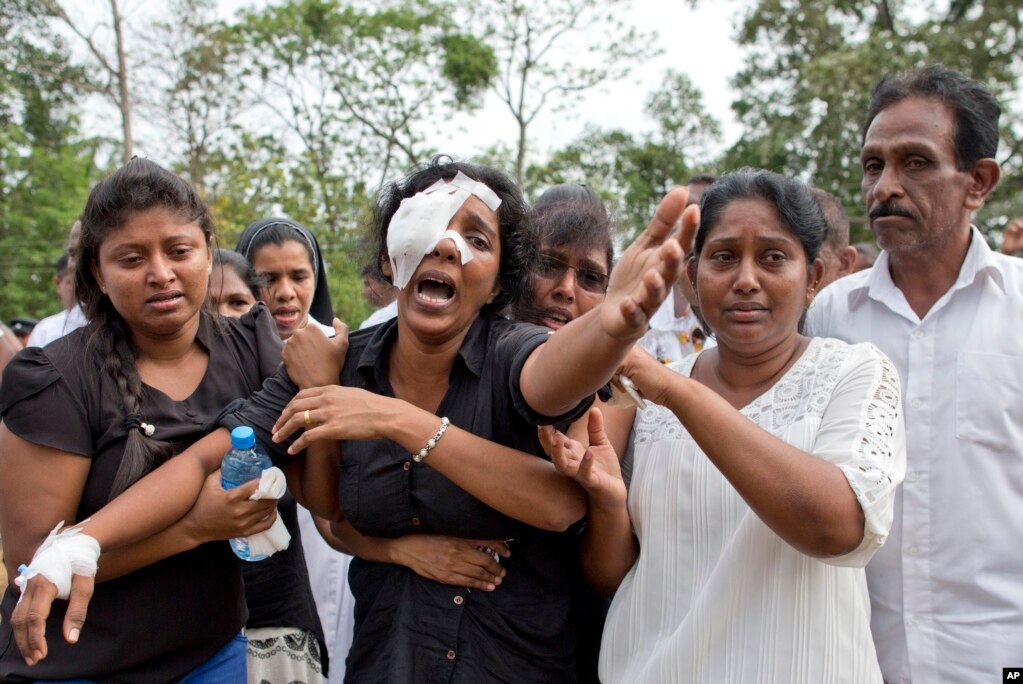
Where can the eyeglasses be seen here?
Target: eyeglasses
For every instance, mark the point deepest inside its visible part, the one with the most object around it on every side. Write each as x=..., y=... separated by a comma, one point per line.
x=552, y=268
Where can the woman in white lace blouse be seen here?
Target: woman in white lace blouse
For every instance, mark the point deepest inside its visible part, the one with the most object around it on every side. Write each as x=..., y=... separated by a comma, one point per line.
x=763, y=476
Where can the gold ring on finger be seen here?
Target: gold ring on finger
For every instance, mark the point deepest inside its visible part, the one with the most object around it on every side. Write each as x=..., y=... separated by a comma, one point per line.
x=308, y=419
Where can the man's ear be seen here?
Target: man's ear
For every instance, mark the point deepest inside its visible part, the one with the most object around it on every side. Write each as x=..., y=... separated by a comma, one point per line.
x=847, y=261
x=983, y=179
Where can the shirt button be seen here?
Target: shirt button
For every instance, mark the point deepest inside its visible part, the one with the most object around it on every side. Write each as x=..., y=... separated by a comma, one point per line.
x=917, y=334
x=914, y=621
x=459, y=600
x=916, y=403
x=406, y=465
x=914, y=551
x=913, y=476
x=415, y=521
x=451, y=655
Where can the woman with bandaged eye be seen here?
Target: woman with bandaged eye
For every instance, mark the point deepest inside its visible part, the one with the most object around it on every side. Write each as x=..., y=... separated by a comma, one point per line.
x=91, y=413
x=449, y=355
x=573, y=231
x=429, y=427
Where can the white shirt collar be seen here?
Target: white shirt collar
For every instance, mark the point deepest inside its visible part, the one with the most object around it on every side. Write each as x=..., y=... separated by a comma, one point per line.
x=879, y=286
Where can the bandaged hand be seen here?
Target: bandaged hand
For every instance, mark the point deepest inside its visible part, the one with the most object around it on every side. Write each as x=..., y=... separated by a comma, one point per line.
x=64, y=566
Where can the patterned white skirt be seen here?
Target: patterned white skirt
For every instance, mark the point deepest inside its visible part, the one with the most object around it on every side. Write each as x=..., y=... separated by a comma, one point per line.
x=283, y=655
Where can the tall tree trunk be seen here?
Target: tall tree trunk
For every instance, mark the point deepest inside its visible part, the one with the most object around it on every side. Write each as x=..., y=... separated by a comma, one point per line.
x=885, y=19
x=520, y=160
x=123, y=98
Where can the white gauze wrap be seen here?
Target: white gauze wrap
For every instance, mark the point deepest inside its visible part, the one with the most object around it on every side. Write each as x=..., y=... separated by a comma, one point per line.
x=71, y=552
x=422, y=221
x=272, y=485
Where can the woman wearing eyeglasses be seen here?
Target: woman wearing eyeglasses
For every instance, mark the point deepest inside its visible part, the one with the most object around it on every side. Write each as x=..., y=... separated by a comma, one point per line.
x=575, y=257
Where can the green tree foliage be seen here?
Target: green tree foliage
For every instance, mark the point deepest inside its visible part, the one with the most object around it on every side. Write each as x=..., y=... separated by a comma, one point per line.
x=45, y=166
x=196, y=101
x=105, y=70
x=549, y=51
x=374, y=81
x=805, y=88
x=353, y=91
x=633, y=172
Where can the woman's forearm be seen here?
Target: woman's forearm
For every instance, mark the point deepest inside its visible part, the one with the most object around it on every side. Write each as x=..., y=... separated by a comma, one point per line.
x=578, y=359
x=806, y=500
x=313, y=479
x=557, y=375
x=159, y=499
x=174, y=540
x=515, y=483
x=346, y=539
x=609, y=548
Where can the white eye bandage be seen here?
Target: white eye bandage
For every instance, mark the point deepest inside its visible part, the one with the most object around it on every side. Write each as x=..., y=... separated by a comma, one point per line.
x=71, y=552
x=272, y=485
x=421, y=222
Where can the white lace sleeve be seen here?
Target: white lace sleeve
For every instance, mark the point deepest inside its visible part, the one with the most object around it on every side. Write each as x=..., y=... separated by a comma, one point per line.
x=862, y=432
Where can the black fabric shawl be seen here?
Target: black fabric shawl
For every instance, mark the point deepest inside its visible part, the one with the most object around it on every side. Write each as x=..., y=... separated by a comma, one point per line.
x=321, y=308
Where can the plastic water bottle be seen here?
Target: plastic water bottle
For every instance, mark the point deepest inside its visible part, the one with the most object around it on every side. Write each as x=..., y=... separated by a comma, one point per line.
x=244, y=462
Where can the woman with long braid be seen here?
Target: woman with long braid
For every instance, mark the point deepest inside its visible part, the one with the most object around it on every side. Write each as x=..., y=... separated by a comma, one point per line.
x=93, y=412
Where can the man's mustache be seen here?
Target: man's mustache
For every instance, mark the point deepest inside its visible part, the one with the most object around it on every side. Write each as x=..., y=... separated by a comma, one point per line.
x=888, y=209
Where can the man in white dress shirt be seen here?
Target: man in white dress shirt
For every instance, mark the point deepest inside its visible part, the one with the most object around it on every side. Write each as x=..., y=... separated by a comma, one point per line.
x=71, y=316
x=947, y=588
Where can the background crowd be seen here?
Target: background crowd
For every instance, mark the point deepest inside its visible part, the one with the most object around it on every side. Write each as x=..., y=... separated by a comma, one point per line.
x=780, y=456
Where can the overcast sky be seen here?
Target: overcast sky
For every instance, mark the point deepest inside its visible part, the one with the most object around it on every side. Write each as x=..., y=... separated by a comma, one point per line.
x=699, y=42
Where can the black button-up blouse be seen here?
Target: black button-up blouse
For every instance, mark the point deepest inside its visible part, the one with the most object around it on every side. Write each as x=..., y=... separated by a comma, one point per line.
x=411, y=629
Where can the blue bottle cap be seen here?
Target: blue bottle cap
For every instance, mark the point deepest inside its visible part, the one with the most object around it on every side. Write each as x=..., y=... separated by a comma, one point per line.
x=243, y=437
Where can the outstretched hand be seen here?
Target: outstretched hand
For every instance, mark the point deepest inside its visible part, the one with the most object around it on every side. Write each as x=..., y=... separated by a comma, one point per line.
x=594, y=466
x=649, y=267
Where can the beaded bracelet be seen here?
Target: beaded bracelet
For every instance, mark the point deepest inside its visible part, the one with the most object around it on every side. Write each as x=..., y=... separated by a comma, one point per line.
x=432, y=442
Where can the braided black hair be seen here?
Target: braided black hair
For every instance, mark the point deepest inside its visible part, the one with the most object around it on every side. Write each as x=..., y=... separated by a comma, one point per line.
x=139, y=185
